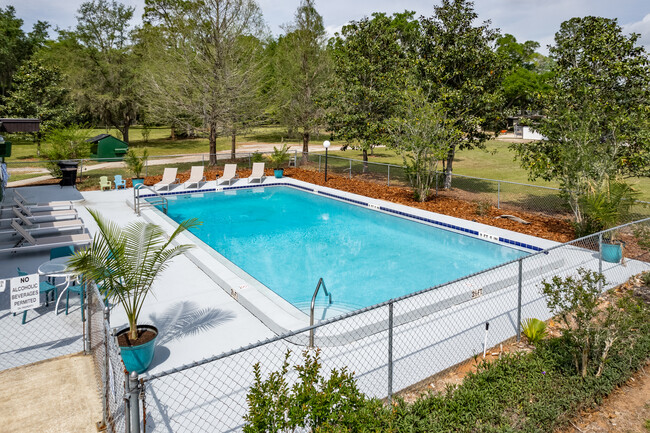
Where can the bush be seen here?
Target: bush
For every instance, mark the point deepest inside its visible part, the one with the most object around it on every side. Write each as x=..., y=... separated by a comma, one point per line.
x=66, y=143
x=315, y=402
x=534, y=330
x=257, y=157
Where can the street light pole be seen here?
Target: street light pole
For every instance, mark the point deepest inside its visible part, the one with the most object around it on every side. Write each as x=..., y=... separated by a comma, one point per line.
x=326, y=144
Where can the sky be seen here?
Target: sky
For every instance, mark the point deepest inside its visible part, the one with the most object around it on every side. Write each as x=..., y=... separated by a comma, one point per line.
x=536, y=20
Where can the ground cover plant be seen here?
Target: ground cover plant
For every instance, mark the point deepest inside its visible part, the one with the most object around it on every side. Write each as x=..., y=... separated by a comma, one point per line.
x=538, y=391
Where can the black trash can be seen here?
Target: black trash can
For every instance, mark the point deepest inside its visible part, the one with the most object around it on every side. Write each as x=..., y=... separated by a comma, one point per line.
x=69, y=173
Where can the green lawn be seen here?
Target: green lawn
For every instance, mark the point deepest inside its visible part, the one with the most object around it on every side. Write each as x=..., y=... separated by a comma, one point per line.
x=496, y=162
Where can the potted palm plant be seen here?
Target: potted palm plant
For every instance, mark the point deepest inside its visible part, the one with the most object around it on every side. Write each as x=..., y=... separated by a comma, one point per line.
x=278, y=158
x=135, y=164
x=124, y=262
x=607, y=206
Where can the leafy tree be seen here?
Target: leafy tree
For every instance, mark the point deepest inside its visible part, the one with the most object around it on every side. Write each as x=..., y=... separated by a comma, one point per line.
x=15, y=45
x=371, y=70
x=597, y=123
x=205, y=63
x=422, y=135
x=66, y=143
x=38, y=92
x=525, y=81
x=458, y=67
x=99, y=63
x=302, y=71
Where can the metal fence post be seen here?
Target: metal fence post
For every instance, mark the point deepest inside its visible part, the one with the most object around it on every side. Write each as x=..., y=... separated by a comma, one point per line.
x=146, y=167
x=498, y=195
x=81, y=169
x=203, y=160
x=390, y=352
x=389, y=175
x=436, y=183
x=600, y=256
x=350, y=169
x=319, y=163
x=87, y=342
x=519, y=280
x=132, y=406
x=107, y=375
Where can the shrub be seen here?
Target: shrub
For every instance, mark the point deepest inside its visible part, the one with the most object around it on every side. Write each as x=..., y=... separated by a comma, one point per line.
x=534, y=330
x=589, y=329
x=314, y=402
x=135, y=163
x=257, y=157
x=66, y=143
x=483, y=207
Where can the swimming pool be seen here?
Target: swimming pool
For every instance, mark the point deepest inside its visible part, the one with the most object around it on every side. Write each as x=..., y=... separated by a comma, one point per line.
x=287, y=239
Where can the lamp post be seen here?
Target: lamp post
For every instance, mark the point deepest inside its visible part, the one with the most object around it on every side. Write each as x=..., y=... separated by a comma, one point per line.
x=326, y=145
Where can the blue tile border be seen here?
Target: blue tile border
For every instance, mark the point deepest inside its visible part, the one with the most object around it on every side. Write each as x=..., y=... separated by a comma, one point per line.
x=356, y=202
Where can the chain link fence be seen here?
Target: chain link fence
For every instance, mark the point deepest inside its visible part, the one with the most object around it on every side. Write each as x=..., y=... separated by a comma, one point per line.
x=419, y=340
x=47, y=334
x=499, y=193
x=40, y=333
x=109, y=368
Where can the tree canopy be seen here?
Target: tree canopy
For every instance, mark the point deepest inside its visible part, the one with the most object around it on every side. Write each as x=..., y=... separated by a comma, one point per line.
x=597, y=117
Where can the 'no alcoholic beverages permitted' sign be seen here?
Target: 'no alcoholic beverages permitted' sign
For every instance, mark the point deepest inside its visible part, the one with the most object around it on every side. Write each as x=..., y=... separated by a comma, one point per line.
x=24, y=293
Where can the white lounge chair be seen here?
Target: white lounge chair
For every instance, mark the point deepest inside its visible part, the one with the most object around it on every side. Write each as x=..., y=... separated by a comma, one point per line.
x=229, y=174
x=257, y=173
x=29, y=243
x=43, y=227
x=72, y=213
x=169, y=178
x=196, y=176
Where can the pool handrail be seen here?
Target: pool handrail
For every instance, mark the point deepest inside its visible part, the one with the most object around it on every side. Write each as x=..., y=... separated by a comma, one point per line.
x=311, y=310
x=136, y=199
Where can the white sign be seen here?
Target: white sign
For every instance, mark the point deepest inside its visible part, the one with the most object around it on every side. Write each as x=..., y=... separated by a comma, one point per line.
x=24, y=293
x=3, y=284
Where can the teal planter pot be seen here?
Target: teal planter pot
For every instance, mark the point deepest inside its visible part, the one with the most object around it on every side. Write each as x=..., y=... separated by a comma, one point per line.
x=612, y=253
x=137, y=182
x=138, y=358
x=278, y=173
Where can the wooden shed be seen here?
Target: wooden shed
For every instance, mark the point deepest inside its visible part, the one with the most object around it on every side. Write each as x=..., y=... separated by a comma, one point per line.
x=107, y=147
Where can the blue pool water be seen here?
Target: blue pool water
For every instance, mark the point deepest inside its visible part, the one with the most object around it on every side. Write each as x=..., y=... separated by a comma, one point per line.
x=287, y=239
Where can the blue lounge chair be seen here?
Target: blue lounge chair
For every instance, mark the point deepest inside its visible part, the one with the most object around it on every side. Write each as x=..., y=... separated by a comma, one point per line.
x=119, y=182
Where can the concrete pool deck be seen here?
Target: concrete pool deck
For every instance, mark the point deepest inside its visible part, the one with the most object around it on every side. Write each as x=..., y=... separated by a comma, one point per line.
x=198, y=318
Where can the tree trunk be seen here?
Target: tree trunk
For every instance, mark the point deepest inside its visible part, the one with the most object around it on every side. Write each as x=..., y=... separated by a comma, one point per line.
x=305, y=147
x=125, y=132
x=365, y=160
x=233, y=144
x=173, y=133
x=213, y=143
x=448, y=167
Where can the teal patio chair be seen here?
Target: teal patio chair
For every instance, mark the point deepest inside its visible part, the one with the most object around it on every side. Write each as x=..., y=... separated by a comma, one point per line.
x=43, y=287
x=57, y=252
x=78, y=289
x=119, y=182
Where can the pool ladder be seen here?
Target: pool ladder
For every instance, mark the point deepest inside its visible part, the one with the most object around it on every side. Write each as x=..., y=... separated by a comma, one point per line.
x=313, y=304
x=158, y=200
